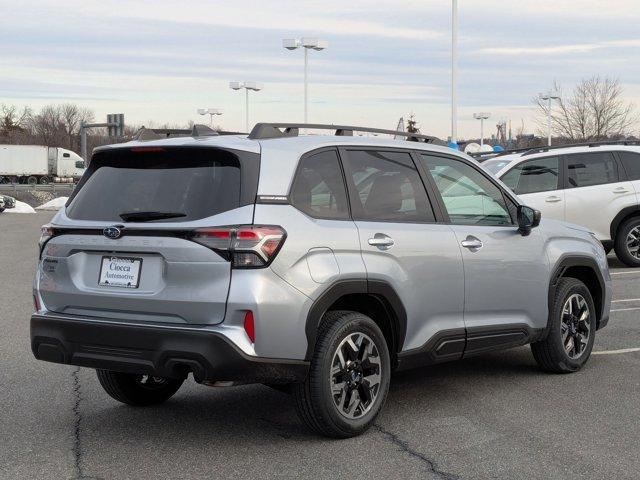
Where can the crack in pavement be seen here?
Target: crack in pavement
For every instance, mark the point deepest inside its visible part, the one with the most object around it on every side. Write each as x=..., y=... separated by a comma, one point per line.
x=77, y=420
x=403, y=446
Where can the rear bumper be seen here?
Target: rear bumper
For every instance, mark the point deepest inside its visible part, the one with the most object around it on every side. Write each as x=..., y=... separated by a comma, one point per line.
x=163, y=351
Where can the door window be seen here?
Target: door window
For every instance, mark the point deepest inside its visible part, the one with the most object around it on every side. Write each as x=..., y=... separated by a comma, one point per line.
x=631, y=163
x=586, y=169
x=318, y=189
x=469, y=197
x=388, y=187
x=539, y=175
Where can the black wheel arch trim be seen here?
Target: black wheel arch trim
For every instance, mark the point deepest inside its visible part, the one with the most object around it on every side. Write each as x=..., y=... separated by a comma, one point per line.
x=562, y=265
x=377, y=288
x=620, y=217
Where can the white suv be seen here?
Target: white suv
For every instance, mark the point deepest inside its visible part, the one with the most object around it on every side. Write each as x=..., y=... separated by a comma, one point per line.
x=595, y=185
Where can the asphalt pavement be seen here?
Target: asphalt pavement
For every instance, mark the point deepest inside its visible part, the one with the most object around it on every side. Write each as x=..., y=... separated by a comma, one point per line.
x=493, y=416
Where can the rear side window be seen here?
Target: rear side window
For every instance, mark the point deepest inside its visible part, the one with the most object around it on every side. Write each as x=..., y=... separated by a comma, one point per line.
x=631, y=163
x=389, y=187
x=586, y=169
x=167, y=185
x=318, y=189
x=539, y=175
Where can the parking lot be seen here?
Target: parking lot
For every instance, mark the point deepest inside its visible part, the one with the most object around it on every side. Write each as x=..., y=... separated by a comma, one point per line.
x=494, y=416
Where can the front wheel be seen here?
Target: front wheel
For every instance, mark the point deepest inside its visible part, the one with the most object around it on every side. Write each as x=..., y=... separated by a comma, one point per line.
x=137, y=390
x=348, y=377
x=572, y=329
x=627, y=242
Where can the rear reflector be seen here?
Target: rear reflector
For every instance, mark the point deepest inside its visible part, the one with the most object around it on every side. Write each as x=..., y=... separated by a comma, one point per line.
x=249, y=327
x=245, y=246
x=36, y=303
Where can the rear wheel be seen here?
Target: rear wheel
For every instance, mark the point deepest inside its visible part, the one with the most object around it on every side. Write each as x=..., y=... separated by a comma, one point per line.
x=137, y=390
x=32, y=180
x=572, y=329
x=627, y=243
x=348, y=377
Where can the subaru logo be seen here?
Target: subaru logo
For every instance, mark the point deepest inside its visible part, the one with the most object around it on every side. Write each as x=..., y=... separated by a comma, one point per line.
x=112, y=232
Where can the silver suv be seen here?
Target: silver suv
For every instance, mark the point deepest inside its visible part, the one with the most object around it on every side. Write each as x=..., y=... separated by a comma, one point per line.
x=315, y=264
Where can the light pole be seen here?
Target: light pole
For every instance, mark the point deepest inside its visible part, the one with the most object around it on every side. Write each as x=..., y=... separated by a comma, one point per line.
x=550, y=95
x=211, y=112
x=255, y=86
x=454, y=71
x=307, y=43
x=482, y=116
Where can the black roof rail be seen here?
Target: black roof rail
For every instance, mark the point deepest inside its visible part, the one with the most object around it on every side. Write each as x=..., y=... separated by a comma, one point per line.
x=157, y=133
x=263, y=131
x=531, y=151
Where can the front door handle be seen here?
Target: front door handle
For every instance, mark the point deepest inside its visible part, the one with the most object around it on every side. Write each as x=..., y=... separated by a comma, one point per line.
x=472, y=243
x=552, y=199
x=382, y=241
x=620, y=190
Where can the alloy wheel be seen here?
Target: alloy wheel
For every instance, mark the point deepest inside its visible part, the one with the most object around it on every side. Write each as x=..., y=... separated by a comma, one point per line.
x=576, y=326
x=150, y=382
x=633, y=242
x=356, y=374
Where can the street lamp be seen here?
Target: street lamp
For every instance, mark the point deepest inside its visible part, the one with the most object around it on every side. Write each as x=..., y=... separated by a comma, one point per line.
x=482, y=116
x=550, y=95
x=454, y=71
x=307, y=43
x=211, y=112
x=255, y=86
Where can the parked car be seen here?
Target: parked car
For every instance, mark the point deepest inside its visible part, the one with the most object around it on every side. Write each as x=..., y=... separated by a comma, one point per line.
x=9, y=202
x=596, y=185
x=319, y=264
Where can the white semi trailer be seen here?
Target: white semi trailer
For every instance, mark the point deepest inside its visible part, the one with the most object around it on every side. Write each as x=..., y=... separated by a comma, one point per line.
x=38, y=164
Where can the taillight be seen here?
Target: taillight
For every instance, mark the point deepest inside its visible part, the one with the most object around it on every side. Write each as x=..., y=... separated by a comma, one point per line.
x=46, y=233
x=245, y=246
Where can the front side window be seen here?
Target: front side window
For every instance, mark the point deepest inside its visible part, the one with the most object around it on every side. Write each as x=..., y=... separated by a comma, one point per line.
x=469, y=197
x=586, y=169
x=388, y=187
x=539, y=175
x=318, y=189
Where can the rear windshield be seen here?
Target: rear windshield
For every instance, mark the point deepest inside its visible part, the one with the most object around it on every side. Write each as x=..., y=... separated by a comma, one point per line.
x=159, y=185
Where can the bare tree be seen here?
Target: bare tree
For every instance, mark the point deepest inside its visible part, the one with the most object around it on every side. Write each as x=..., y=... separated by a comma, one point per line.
x=72, y=118
x=594, y=110
x=13, y=122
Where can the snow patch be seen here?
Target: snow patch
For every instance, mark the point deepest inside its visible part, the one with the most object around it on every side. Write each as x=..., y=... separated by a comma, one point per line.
x=55, y=204
x=20, y=207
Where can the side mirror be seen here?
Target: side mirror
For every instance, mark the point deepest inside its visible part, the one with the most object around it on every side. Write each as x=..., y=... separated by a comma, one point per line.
x=528, y=218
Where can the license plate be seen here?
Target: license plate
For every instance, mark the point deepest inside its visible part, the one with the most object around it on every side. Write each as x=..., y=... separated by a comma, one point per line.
x=121, y=272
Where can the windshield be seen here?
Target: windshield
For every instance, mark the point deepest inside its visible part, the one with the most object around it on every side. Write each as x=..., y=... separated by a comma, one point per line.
x=157, y=184
x=494, y=166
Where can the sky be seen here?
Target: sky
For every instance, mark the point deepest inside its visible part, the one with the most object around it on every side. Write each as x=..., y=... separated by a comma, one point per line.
x=159, y=61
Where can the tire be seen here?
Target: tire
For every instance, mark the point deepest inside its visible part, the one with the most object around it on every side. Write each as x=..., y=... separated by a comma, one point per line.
x=137, y=390
x=32, y=180
x=552, y=352
x=628, y=253
x=44, y=180
x=314, y=400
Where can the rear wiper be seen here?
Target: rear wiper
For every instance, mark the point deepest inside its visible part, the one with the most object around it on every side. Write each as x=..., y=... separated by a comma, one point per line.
x=148, y=216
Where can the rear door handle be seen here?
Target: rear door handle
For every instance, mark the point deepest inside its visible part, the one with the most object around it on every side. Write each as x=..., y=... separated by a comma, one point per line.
x=382, y=241
x=620, y=190
x=552, y=199
x=472, y=243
